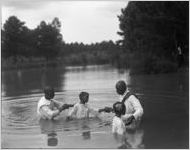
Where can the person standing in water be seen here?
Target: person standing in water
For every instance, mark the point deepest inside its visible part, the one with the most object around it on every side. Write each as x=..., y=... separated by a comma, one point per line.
x=82, y=109
x=118, y=126
x=133, y=134
x=134, y=110
x=47, y=107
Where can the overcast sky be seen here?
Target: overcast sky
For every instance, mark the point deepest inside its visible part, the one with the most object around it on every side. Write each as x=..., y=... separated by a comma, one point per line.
x=82, y=21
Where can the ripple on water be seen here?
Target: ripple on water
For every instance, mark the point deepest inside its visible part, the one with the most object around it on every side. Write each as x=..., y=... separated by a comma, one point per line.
x=19, y=117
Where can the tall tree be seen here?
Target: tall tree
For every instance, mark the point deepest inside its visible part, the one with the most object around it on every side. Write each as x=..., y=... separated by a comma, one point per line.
x=14, y=34
x=155, y=27
x=152, y=30
x=49, y=39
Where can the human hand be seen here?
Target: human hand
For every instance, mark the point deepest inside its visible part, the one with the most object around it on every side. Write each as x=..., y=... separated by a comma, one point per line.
x=68, y=118
x=108, y=109
x=65, y=106
x=130, y=120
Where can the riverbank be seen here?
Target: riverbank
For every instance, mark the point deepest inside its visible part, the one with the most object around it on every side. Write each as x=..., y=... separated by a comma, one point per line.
x=136, y=66
x=28, y=63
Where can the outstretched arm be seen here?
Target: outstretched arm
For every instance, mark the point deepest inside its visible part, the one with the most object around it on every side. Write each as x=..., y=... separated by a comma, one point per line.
x=106, y=109
x=60, y=105
x=56, y=103
x=72, y=112
x=47, y=113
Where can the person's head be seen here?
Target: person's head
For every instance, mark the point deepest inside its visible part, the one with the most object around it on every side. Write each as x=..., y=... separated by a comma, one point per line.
x=119, y=108
x=49, y=92
x=121, y=87
x=83, y=96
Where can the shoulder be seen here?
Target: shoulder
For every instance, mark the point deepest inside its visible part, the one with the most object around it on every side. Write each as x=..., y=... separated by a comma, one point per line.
x=42, y=100
x=133, y=97
x=77, y=105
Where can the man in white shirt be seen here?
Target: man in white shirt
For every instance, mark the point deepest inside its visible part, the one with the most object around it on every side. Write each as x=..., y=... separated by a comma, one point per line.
x=47, y=107
x=134, y=110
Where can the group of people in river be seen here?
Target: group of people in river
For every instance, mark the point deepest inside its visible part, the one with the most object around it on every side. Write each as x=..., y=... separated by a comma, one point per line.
x=127, y=110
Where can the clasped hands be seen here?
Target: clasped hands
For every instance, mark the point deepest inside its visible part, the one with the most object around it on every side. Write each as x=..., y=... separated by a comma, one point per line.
x=106, y=109
x=129, y=120
x=65, y=106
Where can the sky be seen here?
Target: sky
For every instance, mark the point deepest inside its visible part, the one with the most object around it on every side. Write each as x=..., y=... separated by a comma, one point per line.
x=82, y=21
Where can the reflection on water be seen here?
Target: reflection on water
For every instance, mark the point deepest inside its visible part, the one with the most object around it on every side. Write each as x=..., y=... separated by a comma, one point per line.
x=86, y=135
x=48, y=127
x=20, y=82
x=131, y=140
x=52, y=139
x=165, y=99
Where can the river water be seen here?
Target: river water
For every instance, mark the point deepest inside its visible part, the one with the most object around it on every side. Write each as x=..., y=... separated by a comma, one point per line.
x=164, y=97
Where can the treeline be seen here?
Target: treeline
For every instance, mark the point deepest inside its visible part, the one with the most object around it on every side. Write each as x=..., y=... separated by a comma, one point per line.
x=24, y=47
x=152, y=33
x=97, y=53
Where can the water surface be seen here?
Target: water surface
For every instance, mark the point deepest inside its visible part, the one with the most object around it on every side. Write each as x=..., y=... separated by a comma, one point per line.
x=165, y=99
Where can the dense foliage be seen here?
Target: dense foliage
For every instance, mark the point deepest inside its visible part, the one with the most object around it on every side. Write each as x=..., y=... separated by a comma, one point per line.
x=151, y=33
x=44, y=44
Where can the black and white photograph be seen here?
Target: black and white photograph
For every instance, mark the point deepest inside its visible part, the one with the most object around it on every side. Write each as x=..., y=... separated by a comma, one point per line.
x=94, y=74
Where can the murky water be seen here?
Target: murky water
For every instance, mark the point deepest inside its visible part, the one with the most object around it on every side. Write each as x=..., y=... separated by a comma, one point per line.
x=165, y=99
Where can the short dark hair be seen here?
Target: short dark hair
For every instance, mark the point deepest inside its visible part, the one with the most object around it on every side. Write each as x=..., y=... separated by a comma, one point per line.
x=121, y=87
x=83, y=96
x=119, y=108
x=49, y=92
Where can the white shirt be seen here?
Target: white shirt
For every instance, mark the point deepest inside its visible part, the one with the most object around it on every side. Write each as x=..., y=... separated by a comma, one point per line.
x=82, y=111
x=133, y=107
x=47, y=109
x=118, y=126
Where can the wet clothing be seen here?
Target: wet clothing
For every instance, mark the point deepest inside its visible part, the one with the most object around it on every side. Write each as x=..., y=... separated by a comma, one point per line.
x=133, y=107
x=118, y=125
x=48, y=109
x=131, y=140
x=82, y=111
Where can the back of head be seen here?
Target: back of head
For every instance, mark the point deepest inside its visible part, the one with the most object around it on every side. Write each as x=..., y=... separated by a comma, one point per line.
x=119, y=108
x=83, y=96
x=121, y=87
x=49, y=92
